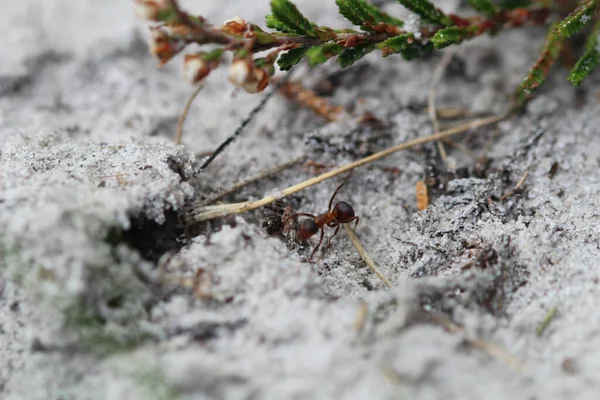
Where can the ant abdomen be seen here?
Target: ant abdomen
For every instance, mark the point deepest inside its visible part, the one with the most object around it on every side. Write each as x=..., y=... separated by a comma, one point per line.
x=343, y=211
x=307, y=229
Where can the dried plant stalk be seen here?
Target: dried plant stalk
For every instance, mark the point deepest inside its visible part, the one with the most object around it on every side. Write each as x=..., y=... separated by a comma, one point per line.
x=492, y=349
x=365, y=256
x=438, y=73
x=245, y=182
x=210, y=212
x=184, y=113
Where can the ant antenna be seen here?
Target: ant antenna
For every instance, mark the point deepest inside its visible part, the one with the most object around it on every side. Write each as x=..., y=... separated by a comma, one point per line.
x=338, y=189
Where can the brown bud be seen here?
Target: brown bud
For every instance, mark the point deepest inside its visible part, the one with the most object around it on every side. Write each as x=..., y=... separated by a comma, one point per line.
x=234, y=26
x=161, y=46
x=259, y=82
x=195, y=68
x=251, y=79
x=239, y=72
x=149, y=10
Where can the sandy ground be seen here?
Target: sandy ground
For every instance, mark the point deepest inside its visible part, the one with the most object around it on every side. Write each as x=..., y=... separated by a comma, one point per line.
x=96, y=264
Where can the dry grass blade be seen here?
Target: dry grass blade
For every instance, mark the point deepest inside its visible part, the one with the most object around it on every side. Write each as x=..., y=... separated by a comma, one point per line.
x=521, y=181
x=361, y=316
x=261, y=175
x=365, y=256
x=184, y=114
x=210, y=212
x=498, y=353
x=550, y=315
x=514, y=190
x=460, y=147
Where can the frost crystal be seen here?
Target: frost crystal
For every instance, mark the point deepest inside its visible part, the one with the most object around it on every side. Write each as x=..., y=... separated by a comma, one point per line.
x=412, y=24
x=585, y=19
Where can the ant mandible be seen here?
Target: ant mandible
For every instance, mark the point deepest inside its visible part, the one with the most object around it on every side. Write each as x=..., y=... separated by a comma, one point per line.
x=342, y=213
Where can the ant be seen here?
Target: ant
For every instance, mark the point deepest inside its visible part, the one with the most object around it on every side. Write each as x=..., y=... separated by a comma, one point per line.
x=342, y=213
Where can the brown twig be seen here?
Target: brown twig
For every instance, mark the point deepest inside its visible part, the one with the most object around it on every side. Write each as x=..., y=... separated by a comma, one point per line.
x=309, y=99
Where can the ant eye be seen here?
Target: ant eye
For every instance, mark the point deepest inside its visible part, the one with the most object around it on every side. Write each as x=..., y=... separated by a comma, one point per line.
x=344, y=211
x=307, y=228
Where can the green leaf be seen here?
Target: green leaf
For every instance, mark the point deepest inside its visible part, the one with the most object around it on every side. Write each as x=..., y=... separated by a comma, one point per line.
x=363, y=14
x=287, y=14
x=288, y=60
x=589, y=60
x=325, y=33
x=213, y=55
x=320, y=54
x=575, y=21
x=354, y=12
x=395, y=44
x=265, y=63
x=416, y=50
x=427, y=11
x=538, y=73
x=273, y=23
x=381, y=16
x=406, y=45
x=584, y=67
x=169, y=15
x=513, y=4
x=263, y=37
x=451, y=35
x=351, y=55
x=486, y=7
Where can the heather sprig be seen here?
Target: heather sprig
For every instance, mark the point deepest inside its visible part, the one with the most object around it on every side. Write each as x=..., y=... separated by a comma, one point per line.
x=292, y=37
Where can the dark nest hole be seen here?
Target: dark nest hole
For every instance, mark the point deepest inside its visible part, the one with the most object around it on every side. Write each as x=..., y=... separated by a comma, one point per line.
x=149, y=238
x=152, y=239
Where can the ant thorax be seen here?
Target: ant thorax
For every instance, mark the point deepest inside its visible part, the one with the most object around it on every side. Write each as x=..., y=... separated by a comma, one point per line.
x=322, y=219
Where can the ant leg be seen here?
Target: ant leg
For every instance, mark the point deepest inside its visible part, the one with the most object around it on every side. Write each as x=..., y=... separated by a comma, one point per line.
x=337, y=190
x=337, y=228
x=356, y=218
x=317, y=248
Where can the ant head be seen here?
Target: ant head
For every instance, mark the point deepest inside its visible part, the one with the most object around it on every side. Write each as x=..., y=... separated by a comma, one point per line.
x=307, y=228
x=343, y=211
